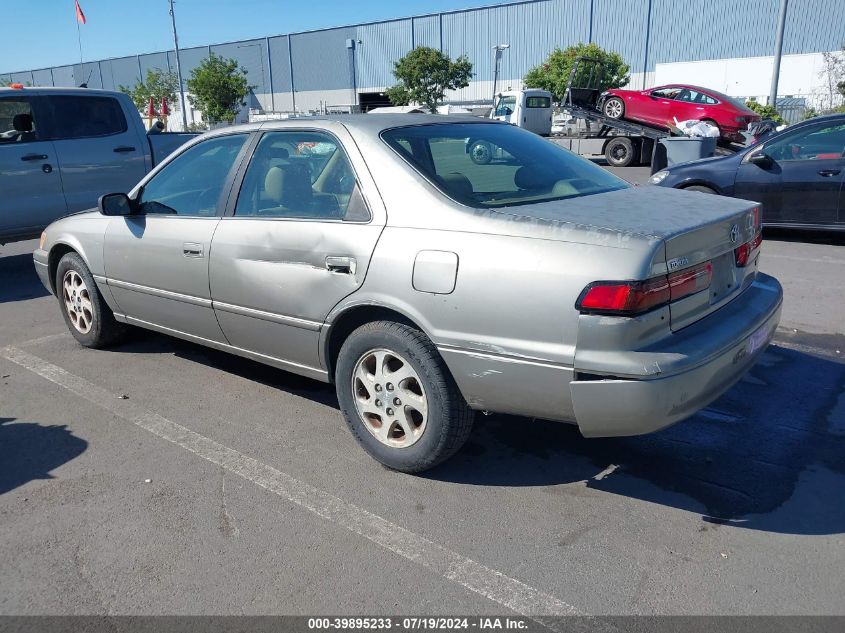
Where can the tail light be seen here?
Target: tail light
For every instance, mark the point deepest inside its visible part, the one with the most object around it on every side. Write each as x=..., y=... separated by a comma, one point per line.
x=630, y=298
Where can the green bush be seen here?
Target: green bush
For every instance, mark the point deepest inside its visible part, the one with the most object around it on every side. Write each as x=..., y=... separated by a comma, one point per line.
x=553, y=74
x=765, y=111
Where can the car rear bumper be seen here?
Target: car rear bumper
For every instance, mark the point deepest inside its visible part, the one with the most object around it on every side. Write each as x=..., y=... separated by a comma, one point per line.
x=696, y=365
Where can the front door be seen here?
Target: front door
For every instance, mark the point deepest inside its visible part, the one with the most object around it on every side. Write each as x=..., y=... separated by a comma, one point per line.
x=98, y=151
x=156, y=259
x=801, y=185
x=30, y=183
x=298, y=240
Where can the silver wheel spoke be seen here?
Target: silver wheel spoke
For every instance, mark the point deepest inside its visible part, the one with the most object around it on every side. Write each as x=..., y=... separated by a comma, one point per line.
x=388, y=396
x=77, y=300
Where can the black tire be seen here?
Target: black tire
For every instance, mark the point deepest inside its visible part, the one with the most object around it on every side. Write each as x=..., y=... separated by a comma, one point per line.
x=614, y=108
x=480, y=152
x=449, y=419
x=103, y=329
x=620, y=152
x=701, y=188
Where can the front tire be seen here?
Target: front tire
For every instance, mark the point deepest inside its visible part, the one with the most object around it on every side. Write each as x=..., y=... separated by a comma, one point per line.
x=481, y=153
x=701, y=188
x=399, y=399
x=614, y=108
x=88, y=317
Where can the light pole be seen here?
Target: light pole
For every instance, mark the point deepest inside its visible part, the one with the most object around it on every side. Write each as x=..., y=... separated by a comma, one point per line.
x=773, y=93
x=498, y=49
x=179, y=70
x=261, y=59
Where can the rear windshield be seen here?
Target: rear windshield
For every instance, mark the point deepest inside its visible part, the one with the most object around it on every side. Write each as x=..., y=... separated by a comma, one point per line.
x=492, y=165
x=538, y=102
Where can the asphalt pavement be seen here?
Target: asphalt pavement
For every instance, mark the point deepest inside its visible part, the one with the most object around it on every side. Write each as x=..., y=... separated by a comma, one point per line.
x=160, y=477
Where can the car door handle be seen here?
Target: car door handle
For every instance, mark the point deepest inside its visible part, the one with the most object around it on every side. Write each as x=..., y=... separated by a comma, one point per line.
x=192, y=249
x=123, y=149
x=827, y=173
x=337, y=264
x=34, y=157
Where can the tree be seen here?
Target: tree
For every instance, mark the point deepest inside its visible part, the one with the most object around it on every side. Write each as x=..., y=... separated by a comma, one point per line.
x=425, y=74
x=765, y=111
x=158, y=85
x=833, y=74
x=553, y=74
x=217, y=88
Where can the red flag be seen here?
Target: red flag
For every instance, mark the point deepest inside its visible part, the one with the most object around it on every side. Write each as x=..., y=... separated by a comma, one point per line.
x=80, y=17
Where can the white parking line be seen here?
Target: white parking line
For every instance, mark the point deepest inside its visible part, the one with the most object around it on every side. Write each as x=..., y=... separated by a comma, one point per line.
x=476, y=577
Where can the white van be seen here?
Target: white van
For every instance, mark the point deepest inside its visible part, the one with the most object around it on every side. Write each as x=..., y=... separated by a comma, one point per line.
x=530, y=109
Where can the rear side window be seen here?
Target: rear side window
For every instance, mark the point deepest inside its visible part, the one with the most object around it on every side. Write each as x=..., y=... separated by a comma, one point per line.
x=86, y=117
x=17, y=124
x=538, y=102
x=490, y=165
x=300, y=174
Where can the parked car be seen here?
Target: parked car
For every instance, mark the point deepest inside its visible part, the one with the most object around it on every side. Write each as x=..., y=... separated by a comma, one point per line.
x=426, y=286
x=60, y=149
x=797, y=175
x=661, y=105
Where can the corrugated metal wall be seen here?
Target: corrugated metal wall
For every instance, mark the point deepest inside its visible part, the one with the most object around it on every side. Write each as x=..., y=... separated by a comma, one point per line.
x=645, y=32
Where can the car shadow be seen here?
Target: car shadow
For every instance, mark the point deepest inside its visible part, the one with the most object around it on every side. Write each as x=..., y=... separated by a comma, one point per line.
x=29, y=451
x=768, y=455
x=19, y=279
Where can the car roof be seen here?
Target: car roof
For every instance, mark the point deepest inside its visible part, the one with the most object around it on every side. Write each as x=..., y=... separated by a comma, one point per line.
x=55, y=89
x=366, y=124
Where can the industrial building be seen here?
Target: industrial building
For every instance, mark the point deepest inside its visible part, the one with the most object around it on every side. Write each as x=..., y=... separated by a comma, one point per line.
x=726, y=45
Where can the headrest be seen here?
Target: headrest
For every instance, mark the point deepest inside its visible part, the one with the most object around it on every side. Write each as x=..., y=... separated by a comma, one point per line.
x=288, y=185
x=529, y=177
x=22, y=122
x=275, y=152
x=457, y=185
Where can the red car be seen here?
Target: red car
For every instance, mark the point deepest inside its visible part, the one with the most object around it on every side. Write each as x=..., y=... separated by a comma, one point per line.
x=657, y=106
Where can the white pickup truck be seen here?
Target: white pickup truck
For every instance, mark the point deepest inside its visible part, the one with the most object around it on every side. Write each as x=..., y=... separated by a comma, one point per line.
x=62, y=148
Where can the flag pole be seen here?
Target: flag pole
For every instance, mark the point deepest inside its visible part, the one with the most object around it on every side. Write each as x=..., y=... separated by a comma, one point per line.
x=178, y=70
x=78, y=35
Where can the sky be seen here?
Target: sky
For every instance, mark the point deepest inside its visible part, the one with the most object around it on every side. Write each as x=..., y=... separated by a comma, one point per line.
x=44, y=32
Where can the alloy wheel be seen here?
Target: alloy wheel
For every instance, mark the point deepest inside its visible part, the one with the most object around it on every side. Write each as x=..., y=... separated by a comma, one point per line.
x=390, y=398
x=77, y=301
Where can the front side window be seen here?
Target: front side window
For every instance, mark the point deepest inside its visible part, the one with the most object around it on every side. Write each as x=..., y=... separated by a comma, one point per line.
x=505, y=106
x=300, y=174
x=538, y=102
x=17, y=124
x=86, y=116
x=191, y=183
x=666, y=93
x=815, y=143
x=490, y=165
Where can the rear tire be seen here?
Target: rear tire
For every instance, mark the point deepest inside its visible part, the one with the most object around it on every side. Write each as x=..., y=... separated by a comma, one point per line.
x=399, y=399
x=619, y=151
x=87, y=315
x=714, y=124
x=614, y=108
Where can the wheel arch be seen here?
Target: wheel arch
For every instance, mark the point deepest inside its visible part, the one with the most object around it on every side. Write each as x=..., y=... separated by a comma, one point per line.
x=701, y=182
x=57, y=251
x=352, y=317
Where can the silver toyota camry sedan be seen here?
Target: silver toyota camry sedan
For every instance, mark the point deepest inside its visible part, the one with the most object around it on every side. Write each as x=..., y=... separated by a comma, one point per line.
x=374, y=253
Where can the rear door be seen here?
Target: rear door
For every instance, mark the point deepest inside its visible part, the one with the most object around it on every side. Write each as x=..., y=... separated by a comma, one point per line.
x=98, y=150
x=295, y=241
x=802, y=185
x=30, y=184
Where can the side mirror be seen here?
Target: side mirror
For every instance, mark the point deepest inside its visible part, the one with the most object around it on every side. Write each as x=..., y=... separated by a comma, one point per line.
x=761, y=159
x=115, y=204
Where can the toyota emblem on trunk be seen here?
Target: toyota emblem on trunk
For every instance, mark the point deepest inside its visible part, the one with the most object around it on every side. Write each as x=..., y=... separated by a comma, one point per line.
x=734, y=233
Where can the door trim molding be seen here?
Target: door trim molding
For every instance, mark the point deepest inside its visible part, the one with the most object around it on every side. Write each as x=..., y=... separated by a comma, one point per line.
x=157, y=292
x=268, y=316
